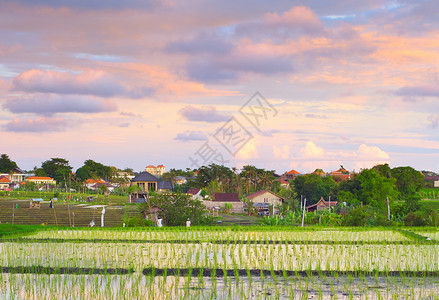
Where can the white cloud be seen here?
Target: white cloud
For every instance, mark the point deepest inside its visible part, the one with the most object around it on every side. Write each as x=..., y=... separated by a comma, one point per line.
x=281, y=152
x=371, y=152
x=311, y=150
x=249, y=151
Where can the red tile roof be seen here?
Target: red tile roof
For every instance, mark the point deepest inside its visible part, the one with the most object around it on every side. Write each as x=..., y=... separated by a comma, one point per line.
x=292, y=172
x=4, y=179
x=150, y=166
x=283, y=181
x=160, y=166
x=88, y=181
x=38, y=178
x=226, y=197
x=193, y=191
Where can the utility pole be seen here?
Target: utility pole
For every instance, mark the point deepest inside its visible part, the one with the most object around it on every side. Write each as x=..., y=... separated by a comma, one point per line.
x=102, y=216
x=388, y=209
x=329, y=203
x=303, y=215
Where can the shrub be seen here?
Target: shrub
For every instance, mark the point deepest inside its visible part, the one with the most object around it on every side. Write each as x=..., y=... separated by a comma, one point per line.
x=415, y=219
x=227, y=208
x=138, y=221
x=356, y=217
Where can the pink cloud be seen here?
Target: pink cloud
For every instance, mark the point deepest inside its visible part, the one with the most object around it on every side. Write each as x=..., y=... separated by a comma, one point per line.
x=88, y=82
x=37, y=125
x=297, y=17
x=204, y=114
x=48, y=104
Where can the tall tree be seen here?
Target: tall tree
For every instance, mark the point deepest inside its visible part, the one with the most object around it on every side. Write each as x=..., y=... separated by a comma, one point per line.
x=409, y=182
x=6, y=164
x=57, y=168
x=92, y=169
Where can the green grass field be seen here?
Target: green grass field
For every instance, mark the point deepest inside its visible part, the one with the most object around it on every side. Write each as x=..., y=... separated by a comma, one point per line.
x=75, y=197
x=429, y=193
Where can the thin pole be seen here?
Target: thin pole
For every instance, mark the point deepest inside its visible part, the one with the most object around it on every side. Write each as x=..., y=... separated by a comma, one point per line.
x=329, y=203
x=388, y=209
x=303, y=215
x=68, y=210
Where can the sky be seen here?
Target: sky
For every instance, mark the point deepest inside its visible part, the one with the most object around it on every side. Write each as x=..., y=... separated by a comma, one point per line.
x=277, y=84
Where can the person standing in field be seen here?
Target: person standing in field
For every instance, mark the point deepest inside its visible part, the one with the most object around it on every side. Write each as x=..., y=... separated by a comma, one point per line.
x=159, y=222
x=188, y=223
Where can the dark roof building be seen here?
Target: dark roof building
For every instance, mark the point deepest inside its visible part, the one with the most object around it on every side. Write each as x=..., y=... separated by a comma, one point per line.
x=226, y=197
x=193, y=191
x=148, y=182
x=144, y=176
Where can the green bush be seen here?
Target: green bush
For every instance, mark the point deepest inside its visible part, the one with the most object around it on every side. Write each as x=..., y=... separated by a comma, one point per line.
x=138, y=221
x=415, y=219
x=356, y=217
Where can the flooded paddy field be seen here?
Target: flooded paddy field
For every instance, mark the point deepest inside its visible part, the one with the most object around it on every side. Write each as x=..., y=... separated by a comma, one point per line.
x=193, y=264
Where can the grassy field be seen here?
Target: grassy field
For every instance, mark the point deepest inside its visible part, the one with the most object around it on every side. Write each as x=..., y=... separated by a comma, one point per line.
x=429, y=193
x=430, y=204
x=219, y=263
x=62, y=213
x=75, y=197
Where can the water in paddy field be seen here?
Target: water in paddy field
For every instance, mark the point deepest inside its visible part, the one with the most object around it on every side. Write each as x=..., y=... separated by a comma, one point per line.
x=138, y=286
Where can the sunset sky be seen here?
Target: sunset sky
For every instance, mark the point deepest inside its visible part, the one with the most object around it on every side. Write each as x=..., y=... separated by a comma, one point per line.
x=138, y=82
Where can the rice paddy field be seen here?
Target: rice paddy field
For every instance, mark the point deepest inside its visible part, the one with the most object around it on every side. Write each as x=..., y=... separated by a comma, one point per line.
x=220, y=263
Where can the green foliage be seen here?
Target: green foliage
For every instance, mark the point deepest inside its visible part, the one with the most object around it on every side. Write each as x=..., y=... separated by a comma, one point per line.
x=408, y=180
x=177, y=208
x=416, y=218
x=6, y=164
x=134, y=188
x=92, y=169
x=11, y=229
x=384, y=170
x=348, y=197
x=57, y=168
x=375, y=189
x=227, y=208
x=356, y=217
x=313, y=187
x=138, y=221
x=290, y=196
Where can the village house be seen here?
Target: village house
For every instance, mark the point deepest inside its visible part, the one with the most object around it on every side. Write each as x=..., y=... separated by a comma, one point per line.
x=434, y=180
x=5, y=183
x=40, y=180
x=340, y=175
x=219, y=201
x=290, y=175
x=284, y=184
x=156, y=171
x=180, y=180
x=262, y=200
x=319, y=172
x=195, y=193
x=321, y=205
x=16, y=175
x=147, y=183
x=91, y=183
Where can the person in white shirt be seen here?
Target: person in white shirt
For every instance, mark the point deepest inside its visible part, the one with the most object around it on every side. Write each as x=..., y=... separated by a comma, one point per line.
x=188, y=223
x=159, y=222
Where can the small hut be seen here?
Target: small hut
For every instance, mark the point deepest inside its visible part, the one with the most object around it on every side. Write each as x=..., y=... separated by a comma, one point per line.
x=152, y=213
x=35, y=203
